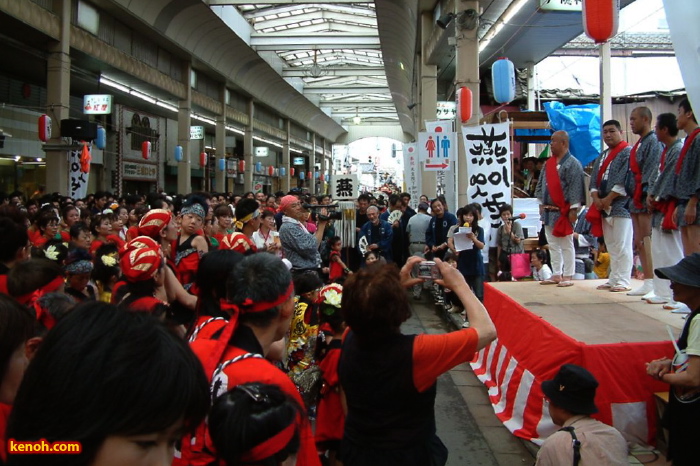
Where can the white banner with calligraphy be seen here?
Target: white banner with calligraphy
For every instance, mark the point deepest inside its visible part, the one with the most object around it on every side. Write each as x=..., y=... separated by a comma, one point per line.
x=77, y=179
x=345, y=187
x=487, y=149
x=412, y=172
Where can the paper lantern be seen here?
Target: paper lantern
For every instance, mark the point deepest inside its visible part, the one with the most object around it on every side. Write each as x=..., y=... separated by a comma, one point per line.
x=178, y=154
x=292, y=171
x=270, y=170
x=308, y=175
x=202, y=159
x=323, y=177
x=283, y=171
x=146, y=149
x=301, y=175
x=503, y=77
x=317, y=175
x=101, y=140
x=258, y=167
x=222, y=165
x=241, y=166
x=85, y=159
x=44, y=128
x=600, y=19
x=464, y=104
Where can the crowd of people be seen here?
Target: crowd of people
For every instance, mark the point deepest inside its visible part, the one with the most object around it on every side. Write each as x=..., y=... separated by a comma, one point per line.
x=214, y=328
x=240, y=306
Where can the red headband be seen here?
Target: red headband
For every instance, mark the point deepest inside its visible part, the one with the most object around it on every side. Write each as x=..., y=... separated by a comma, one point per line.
x=247, y=306
x=29, y=298
x=272, y=445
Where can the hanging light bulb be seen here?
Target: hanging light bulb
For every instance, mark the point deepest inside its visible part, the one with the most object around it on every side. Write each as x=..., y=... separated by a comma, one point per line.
x=357, y=119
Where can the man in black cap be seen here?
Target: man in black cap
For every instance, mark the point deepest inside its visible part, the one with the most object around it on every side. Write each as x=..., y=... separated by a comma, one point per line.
x=683, y=409
x=582, y=441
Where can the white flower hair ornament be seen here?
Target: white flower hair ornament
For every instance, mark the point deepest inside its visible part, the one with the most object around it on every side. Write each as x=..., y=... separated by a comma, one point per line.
x=109, y=260
x=51, y=253
x=332, y=295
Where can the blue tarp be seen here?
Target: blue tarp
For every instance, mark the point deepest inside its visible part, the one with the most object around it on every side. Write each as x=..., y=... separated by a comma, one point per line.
x=582, y=122
x=544, y=135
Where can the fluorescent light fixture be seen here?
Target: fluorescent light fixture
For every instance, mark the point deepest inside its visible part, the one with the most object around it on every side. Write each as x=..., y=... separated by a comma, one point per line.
x=166, y=105
x=500, y=23
x=513, y=10
x=296, y=151
x=111, y=83
x=235, y=130
x=17, y=157
x=142, y=96
x=204, y=119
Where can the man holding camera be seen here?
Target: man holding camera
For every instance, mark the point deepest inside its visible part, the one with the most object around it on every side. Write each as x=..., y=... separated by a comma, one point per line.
x=300, y=247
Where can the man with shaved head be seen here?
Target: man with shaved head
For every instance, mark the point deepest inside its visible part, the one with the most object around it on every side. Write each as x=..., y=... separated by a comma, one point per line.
x=644, y=165
x=561, y=192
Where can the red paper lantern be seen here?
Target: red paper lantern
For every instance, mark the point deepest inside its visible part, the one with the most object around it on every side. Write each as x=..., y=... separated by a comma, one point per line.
x=308, y=175
x=463, y=99
x=600, y=19
x=270, y=170
x=241, y=166
x=323, y=177
x=146, y=149
x=44, y=128
x=202, y=159
x=292, y=171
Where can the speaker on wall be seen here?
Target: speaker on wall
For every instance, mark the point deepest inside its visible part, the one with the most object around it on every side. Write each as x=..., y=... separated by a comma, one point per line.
x=81, y=130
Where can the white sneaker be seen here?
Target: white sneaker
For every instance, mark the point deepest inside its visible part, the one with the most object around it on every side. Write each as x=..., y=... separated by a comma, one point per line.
x=649, y=295
x=656, y=300
x=644, y=289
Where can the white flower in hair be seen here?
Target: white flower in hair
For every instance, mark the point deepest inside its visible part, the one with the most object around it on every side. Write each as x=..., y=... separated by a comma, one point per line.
x=108, y=260
x=51, y=253
x=333, y=298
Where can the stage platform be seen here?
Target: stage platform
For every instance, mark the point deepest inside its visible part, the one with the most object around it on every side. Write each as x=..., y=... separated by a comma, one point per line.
x=541, y=327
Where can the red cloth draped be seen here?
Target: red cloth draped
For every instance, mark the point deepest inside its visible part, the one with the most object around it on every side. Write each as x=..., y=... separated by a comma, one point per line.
x=686, y=147
x=593, y=215
x=634, y=167
x=563, y=226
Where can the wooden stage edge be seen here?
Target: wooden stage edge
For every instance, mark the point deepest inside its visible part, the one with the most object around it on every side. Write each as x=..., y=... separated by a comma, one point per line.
x=594, y=316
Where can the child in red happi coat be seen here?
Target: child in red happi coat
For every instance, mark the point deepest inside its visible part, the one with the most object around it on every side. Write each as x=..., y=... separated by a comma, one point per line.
x=330, y=418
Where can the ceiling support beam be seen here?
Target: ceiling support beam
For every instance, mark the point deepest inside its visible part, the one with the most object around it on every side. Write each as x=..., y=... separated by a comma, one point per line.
x=288, y=41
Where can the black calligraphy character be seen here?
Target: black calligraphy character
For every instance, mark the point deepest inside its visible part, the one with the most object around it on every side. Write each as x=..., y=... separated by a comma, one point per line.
x=344, y=188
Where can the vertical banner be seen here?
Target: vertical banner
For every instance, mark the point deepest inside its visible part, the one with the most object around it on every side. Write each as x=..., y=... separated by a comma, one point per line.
x=78, y=173
x=487, y=149
x=686, y=43
x=413, y=172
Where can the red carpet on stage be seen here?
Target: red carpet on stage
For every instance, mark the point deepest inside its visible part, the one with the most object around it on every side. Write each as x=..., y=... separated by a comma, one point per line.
x=530, y=350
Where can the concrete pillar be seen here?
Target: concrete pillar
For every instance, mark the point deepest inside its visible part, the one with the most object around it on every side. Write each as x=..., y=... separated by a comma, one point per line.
x=311, y=182
x=58, y=101
x=428, y=102
x=248, y=150
x=324, y=168
x=466, y=75
x=531, y=102
x=284, y=180
x=220, y=177
x=184, y=172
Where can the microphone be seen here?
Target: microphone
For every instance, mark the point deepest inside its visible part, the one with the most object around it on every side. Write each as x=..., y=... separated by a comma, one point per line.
x=518, y=217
